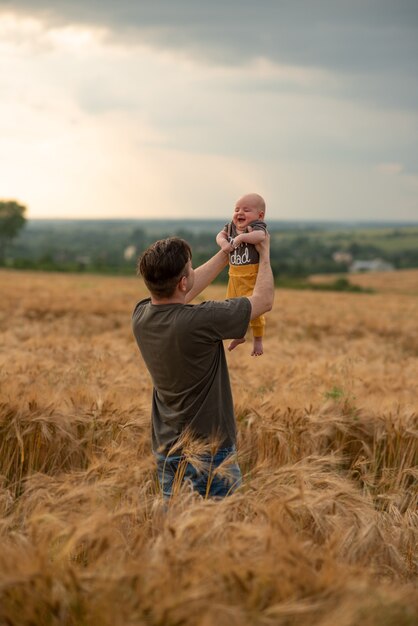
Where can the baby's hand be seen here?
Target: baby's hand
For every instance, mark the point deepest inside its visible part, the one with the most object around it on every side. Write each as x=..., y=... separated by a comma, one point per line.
x=237, y=241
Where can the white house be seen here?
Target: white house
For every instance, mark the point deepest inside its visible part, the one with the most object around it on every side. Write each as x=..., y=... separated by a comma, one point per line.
x=376, y=265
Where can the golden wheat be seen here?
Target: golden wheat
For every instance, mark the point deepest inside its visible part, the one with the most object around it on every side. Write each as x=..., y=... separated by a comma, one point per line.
x=401, y=281
x=323, y=530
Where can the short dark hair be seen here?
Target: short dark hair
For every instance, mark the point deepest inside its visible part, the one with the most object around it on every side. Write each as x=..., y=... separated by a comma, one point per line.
x=162, y=264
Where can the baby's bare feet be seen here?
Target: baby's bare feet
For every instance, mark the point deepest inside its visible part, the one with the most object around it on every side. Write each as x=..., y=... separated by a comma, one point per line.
x=235, y=342
x=257, y=347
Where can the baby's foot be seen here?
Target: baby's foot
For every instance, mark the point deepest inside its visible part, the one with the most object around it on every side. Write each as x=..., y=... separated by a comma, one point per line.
x=235, y=342
x=257, y=346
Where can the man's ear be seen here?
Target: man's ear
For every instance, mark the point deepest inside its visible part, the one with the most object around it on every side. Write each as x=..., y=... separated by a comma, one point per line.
x=183, y=283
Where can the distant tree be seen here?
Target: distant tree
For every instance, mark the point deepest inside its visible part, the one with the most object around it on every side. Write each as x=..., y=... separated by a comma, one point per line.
x=139, y=240
x=12, y=219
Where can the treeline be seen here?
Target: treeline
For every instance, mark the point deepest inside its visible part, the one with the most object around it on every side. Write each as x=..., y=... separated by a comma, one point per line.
x=113, y=246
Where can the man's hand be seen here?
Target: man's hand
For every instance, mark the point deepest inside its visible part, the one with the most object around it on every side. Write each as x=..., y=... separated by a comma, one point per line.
x=226, y=246
x=263, y=247
x=263, y=294
x=223, y=243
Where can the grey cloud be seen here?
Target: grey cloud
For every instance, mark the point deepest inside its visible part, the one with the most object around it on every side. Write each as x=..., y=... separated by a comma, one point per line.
x=360, y=35
x=372, y=45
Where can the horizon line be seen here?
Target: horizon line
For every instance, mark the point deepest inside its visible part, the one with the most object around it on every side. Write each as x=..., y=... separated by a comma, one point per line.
x=215, y=219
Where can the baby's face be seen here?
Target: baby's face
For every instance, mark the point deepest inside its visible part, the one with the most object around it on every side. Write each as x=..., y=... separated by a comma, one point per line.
x=246, y=210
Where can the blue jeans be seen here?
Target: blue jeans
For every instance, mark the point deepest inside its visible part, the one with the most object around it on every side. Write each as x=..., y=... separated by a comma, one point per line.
x=175, y=470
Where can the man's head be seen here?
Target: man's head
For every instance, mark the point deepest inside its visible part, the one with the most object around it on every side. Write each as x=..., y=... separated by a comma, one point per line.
x=163, y=265
x=247, y=209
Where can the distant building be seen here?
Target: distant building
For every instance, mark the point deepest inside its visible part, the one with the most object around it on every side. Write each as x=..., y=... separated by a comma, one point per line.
x=129, y=253
x=376, y=265
x=342, y=257
x=83, y=260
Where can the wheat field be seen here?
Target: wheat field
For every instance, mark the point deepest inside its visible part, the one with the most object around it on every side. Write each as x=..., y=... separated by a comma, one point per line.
x=324, y=529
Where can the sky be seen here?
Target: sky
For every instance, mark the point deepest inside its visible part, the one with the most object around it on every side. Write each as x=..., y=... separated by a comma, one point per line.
x=176, y=108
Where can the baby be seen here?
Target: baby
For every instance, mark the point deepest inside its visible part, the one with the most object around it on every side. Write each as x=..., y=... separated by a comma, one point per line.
x=238, y=238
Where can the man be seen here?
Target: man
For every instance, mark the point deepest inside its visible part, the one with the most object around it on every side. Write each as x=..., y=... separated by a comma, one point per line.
x=193, y=422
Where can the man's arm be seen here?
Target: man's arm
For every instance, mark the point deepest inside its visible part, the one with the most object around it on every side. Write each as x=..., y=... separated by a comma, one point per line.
x=263, y=294
x=206, y=273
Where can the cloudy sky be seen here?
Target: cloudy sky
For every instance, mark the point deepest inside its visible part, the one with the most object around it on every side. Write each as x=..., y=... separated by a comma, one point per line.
x=174, y=108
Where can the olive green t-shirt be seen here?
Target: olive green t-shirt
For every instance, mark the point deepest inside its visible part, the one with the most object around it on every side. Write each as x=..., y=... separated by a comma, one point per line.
x=183, y=351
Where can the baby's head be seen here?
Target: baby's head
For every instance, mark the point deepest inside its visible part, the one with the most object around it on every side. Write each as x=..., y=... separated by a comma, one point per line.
x=249, y=208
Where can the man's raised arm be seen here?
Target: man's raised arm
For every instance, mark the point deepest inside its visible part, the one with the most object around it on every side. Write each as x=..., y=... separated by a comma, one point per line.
x=263, y=294
x=206, y=273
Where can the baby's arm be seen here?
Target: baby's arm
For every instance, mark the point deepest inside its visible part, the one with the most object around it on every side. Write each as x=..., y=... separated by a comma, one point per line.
x=222, y=241
x=254, y=237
